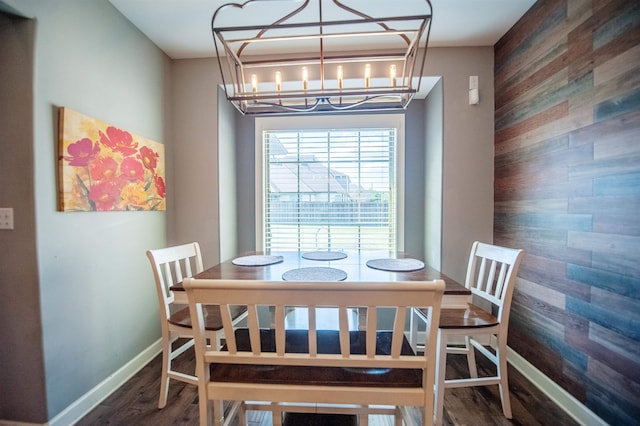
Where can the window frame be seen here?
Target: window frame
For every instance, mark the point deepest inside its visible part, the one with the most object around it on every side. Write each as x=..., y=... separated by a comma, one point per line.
x=329, y=122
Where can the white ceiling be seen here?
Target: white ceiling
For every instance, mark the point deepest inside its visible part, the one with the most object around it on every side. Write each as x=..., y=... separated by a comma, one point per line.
x=182, y=28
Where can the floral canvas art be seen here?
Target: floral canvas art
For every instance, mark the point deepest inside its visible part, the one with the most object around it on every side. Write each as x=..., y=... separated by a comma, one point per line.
x=105, y=168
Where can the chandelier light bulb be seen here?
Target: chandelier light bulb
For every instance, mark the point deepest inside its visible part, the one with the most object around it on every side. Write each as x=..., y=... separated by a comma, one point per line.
x=367, y=76
x=340, y=77
x=305, y=78
x=278, y=81
x=254, y=83
x=392, y=75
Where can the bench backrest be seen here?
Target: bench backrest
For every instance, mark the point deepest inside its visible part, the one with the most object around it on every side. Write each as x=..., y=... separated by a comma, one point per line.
x=281, y=297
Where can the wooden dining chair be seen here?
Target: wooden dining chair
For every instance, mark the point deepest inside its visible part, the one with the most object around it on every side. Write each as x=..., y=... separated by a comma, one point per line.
x=171, y=265
x=491, y=275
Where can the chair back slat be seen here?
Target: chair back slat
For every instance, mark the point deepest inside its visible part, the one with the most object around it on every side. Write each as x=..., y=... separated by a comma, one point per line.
x=253, y=324
x=177, y=269
x=372, y=321
x=491, y=276
x=312, y=337
x=343, y=320
x=187, y=269
x=280, y=331
x=225, y=312
x=166, y=280
x=398, y=327
x=480, y=283
x=500, y=282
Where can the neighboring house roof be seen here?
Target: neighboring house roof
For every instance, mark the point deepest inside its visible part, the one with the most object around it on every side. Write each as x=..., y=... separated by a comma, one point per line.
x=313, y=177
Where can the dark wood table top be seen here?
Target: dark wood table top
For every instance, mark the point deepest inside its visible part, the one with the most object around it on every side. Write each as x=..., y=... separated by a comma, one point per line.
x=354, y=265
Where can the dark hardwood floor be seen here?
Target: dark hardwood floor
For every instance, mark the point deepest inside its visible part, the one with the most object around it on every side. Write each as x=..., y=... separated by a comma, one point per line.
x=136, y=402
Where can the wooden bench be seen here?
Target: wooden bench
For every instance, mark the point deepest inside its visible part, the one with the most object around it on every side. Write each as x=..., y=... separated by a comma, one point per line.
x=342, y=371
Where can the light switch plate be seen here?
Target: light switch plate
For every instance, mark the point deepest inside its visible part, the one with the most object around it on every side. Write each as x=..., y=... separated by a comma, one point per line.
x=473, y=82
x=6, y=218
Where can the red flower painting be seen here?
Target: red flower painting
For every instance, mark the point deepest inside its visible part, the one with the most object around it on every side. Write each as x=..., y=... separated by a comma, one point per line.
x=105, y=168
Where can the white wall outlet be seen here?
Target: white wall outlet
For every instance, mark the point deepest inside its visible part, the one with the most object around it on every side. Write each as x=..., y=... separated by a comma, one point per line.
x=6, y=218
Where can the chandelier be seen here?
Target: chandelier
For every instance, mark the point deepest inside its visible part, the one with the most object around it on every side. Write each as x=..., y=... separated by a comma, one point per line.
x=303, y=56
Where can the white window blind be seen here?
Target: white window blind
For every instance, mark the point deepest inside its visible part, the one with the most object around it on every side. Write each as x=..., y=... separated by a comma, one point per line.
x=330, y=189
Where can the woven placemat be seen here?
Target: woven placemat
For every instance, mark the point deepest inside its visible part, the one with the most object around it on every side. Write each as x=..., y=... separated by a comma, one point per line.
x=256, y=260
x=396, y=265
x=324, y=255
x=315, y=274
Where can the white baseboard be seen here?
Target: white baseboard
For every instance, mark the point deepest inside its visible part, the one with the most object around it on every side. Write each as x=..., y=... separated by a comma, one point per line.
x=100, y=392
x=563, y=399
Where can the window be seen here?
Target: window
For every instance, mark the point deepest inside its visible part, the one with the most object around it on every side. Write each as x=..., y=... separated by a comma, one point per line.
x=329, y=183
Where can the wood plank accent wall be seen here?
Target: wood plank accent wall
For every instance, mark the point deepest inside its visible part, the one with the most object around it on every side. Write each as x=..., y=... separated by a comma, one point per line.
x=567, y=190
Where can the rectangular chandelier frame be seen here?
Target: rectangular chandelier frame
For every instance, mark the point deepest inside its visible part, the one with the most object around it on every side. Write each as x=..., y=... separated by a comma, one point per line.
x=351, y=62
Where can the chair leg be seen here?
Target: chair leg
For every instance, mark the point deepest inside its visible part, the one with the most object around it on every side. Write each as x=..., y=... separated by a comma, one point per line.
x=503, y=375
x=398, y=416
x=218, y=411
x=471, y=357
x=363, y=420
x=218, y=341
x=166, y=367
x=242, y=414
x=441, y=366
x=276, y=417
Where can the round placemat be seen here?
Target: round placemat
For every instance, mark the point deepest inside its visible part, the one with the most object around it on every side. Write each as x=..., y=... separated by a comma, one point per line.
x=396, y=265
x=324, y=255
x=256, y=260
x=315, y=274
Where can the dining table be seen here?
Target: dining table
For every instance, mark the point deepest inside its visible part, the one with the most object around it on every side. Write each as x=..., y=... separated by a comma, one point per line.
x=350, y=266
x=353, y=265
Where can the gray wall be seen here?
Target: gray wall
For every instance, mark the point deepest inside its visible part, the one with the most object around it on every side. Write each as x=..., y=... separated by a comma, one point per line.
x=467, y=196
x=433, y=164
x=414, y=177
x=88, y=274
x=195, y=214
x=246, y=175
x=227, y=178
